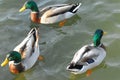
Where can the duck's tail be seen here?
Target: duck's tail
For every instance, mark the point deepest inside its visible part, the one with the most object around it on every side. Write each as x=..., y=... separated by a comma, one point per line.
x=73, y=67
x=75, y=7
x=34, y=32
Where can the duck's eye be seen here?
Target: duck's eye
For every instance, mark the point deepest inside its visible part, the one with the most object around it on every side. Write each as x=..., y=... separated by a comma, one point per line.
x=10, y=59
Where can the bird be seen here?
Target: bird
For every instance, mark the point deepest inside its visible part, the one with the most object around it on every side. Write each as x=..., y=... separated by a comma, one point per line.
x=50, y=14
x=24, y=55
x=89, y=56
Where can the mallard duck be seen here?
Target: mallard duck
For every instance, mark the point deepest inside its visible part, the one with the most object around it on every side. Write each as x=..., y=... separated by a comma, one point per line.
x=50, y=14
x=25, y=55
x=89, y=56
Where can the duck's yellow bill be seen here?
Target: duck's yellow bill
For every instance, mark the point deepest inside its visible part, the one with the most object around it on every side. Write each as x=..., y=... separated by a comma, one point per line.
x=5, y=62
x=104, y=33
x=22, y=9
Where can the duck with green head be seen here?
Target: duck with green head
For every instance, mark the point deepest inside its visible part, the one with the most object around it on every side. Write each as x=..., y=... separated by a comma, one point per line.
x=89, y=56
x=25, y=55
x=52, y=13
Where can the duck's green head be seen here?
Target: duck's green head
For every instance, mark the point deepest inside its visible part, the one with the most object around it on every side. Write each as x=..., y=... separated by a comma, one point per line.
x=97, y=37
x=12, y=56
x=29, y=5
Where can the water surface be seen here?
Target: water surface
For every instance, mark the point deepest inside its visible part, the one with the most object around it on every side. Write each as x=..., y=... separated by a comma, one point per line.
x=58, y=45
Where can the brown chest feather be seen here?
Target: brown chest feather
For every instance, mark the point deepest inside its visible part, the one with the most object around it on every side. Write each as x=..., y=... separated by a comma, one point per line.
x=16, y=68
x=35, y=17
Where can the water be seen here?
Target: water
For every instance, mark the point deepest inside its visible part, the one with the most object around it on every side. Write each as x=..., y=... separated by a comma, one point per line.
x=58, y=45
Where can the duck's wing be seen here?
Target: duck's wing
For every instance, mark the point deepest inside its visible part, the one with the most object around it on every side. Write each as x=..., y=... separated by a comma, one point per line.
x=96, y=55
x=58, y=9
x=79, y=55
x=51, y=6
x=27, y=46
x=76, y=63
